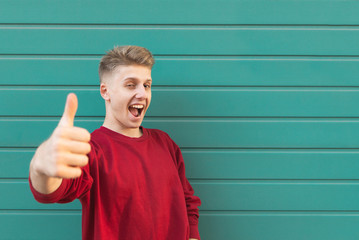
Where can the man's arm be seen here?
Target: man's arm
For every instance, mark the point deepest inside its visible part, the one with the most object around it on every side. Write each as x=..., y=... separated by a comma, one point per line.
x=192, y=201
x=63, y=154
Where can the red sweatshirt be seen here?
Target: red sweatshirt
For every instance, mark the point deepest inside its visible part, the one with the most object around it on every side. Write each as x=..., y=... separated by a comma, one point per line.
x=132, y=189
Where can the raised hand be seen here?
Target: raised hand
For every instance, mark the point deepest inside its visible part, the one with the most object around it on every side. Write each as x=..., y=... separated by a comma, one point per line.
x=65, y=152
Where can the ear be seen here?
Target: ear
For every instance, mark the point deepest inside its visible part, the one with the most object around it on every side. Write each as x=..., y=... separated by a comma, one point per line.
x=104, y=91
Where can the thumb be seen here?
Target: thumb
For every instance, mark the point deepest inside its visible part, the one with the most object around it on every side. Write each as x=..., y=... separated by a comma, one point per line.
x=68, y=117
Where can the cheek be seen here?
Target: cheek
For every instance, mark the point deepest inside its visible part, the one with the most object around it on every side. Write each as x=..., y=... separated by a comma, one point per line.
x=119, y=104
x=149, y=99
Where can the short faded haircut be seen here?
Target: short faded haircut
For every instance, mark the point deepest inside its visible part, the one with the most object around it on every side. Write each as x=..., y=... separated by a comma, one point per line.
x=125, y=56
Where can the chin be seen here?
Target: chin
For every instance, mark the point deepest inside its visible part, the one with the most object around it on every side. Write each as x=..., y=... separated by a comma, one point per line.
x=135, y=125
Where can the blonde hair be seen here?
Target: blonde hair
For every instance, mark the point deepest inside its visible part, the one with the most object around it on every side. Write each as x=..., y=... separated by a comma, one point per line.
x=125, y=56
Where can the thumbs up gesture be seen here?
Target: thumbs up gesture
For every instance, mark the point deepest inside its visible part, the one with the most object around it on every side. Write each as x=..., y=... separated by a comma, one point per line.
x=65, y=152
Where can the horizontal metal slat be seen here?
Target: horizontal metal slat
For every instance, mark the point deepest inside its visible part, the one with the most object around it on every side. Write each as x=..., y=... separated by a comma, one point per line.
x=192, y=102
x=209, y=133
x=173, y=40
x=189, y=71
x=227, y=195
x=233, y=164
x=183, y=12
x=212, y=226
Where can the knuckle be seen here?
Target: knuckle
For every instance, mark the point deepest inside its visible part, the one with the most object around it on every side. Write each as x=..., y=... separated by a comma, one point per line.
x=78, y=172
x=84, y=160
x=87, y=148
x=75, y=173
x=88, y=136
x=57, y=145
x=61, y=132
x=58, y=157
x=85, y=135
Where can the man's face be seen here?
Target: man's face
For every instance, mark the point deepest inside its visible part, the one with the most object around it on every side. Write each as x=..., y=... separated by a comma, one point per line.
x=127, y=92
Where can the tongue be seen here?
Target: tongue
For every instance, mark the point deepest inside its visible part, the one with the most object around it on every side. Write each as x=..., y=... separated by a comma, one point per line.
x=134, y=111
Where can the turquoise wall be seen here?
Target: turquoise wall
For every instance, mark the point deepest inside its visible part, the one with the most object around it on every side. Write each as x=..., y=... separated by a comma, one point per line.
x=262, y=96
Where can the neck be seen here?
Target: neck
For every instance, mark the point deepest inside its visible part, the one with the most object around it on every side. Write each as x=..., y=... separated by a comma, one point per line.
x=129, y=132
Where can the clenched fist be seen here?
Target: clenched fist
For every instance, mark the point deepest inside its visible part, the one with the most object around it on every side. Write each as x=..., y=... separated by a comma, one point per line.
x=62, y=155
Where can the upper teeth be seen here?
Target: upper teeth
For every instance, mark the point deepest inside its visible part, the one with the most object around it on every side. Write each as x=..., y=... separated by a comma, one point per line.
x=137, y=106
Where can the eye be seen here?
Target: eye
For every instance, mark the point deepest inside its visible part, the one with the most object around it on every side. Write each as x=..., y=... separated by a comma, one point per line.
x=130, y=85
x=147, y=85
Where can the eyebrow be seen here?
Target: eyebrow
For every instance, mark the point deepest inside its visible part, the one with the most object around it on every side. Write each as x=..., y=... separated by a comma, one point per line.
x=133, y=78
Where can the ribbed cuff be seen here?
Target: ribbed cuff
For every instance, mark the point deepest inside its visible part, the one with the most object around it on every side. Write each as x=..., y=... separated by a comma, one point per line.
x=48, y=198
x=193, y=232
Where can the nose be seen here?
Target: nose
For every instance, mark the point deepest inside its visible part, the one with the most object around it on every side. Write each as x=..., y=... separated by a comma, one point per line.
x=141, y=92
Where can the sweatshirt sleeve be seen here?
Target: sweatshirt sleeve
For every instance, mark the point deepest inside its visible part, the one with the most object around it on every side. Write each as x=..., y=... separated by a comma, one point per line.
x=192, y=201
x=70, y=189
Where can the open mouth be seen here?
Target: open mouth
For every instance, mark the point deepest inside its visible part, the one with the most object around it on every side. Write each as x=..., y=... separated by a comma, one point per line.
x=136, y=109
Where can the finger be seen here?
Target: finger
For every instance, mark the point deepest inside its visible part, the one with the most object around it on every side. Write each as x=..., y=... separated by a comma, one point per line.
x=68, y=116
x=75, y=160
x=80, y=134
x=68, y=172
x=74, y=133
x=76, y=147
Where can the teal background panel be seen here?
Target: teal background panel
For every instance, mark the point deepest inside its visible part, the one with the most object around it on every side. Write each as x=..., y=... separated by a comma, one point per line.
x=193, y=102
x=188, y=71
x=35, y=225
x=14, y=162
x=184, y=40
x=232, y=163
x=271, y=164
x=19, y=197
x=210, y=133
x=273, y=195
x=182, y=12
x=261, y=96
x=229, y=195
x=280, y=226
x=298, y=226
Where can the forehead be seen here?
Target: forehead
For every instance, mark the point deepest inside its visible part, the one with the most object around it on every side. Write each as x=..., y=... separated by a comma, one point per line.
x=132, y=72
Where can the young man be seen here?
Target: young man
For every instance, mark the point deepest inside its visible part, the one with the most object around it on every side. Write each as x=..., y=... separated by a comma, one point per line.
x=130, y=180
